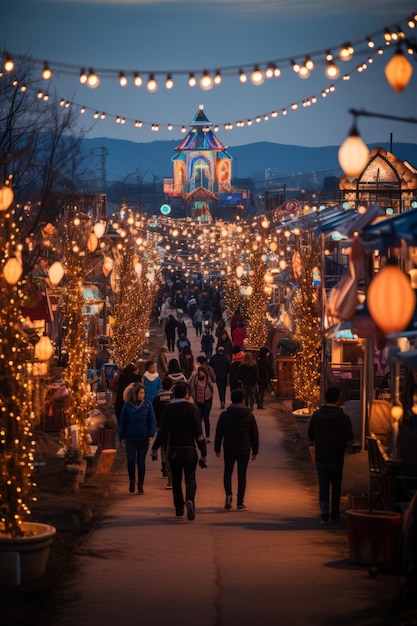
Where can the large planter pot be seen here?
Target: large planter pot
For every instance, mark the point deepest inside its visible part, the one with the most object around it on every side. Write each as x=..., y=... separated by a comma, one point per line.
x=302, y=418
x=25, y=558
x=372, y=536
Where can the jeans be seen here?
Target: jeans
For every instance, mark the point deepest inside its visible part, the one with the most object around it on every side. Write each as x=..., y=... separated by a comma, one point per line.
x=221, y=386
x=183, y=461
x=260, y=396
x=205, y=414
x=249, y=391
x=136, y=452
x=329, y=475
x=242, y=459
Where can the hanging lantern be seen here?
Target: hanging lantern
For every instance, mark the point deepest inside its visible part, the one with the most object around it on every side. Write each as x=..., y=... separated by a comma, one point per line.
x=12, y=270
x=296, y=264
x=239, y=271
x=107, y=265
x=6, y=197
x=268, y=278
x=391, y=299
x=353, y=154
x=56, y=273
x=273, y=246
x=249, y=290
x=398, y=71
x=44, y=349
x=92, y=242
x=99, y=229
x=138, y=269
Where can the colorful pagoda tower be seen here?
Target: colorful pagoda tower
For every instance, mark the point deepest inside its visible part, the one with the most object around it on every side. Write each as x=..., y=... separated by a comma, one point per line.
x=202, y=169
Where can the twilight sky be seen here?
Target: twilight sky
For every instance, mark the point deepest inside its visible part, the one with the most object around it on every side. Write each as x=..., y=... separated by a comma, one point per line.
x=190, y=36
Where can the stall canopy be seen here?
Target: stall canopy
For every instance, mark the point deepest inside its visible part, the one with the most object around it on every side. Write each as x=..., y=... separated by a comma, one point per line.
x=330, y=219
x=391, y=232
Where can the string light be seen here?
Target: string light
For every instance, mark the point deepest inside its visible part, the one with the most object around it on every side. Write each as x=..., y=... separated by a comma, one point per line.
x=306, y=102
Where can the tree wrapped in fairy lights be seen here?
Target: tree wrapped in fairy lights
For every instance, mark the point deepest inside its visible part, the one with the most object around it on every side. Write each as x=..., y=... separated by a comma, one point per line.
x=77, y=246
x=256, y=300
x=135, y=282
x=306, y=327
x=16, y=440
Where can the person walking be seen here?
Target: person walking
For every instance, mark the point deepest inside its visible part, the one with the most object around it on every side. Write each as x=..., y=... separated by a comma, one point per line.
x=207, y=342
x=137, y=428
x=151, y=380
x=174, y=372
x=159, y=403
x=181, y=426
x=220, y=363
x=238, y=430
x=128, y=376
x=248, y=377
x=161, y=362
x=237, y=357
x=201, y=389
x=186, y=361
x=225, y=342
x=198, y=322
x=239, y=335
x=170, y=327
x=265, y=374
x=330, y=429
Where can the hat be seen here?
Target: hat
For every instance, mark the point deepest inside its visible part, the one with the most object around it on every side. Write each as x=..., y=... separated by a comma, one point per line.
x=237, y=356
x=220, y=349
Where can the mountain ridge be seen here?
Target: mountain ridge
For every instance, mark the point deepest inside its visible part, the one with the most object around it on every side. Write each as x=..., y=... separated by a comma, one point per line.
x=152, y=161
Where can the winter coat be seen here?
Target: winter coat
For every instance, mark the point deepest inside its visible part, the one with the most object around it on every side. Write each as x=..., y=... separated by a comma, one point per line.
x=234, y=379
x=238, y=336
x=208, y=392
x=152, y=384
x=181, y=428
x=330, y=429
x=137, y=421
x=248, y=375
x=221, y=365
x=238, y=430
x=265, y=368
x=159, y=403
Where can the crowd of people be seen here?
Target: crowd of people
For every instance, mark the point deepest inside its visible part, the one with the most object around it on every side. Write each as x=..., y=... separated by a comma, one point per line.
x=168, y=407
x=170, y=402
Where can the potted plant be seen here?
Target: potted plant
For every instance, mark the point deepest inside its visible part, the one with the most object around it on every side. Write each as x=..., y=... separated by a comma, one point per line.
x=24, y=545
x=306, y=326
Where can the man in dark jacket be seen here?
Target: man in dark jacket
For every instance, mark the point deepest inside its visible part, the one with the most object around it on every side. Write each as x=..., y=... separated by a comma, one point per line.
x=330, y=430
x=238, y=430
x=220, y=363
x=181, y=428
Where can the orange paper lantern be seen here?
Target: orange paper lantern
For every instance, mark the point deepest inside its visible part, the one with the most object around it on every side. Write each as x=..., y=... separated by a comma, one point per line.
x=391, y=299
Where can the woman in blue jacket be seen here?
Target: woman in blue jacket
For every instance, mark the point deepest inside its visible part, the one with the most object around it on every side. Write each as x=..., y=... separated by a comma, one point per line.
x=137, y=426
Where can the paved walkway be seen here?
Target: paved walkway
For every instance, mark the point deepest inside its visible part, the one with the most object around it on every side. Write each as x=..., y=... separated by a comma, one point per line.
x=271, y=564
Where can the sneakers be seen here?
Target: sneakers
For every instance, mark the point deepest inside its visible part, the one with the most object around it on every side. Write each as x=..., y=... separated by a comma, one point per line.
x=241, y=507
x=131, y=486
x=222, y=405
x=228, y=503
x=190, y=510
x=140, y=489
x=169, y=484
x=208, y=440
x=179, y=512
x=324, y=519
